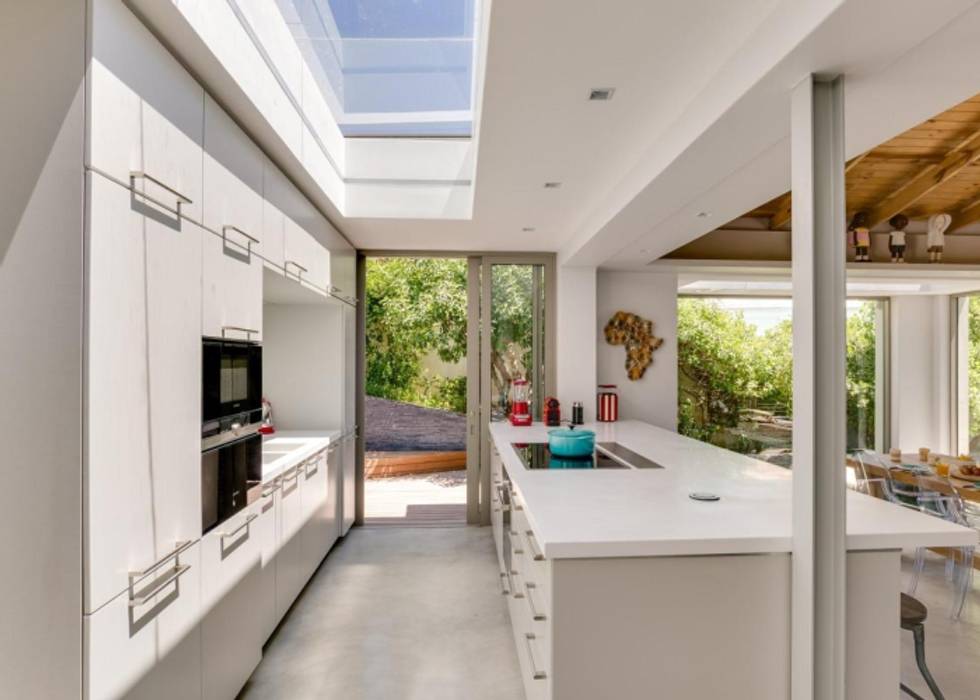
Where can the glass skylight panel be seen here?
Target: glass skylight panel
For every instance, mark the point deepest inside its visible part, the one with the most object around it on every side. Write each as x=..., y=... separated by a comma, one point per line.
x=391, y=67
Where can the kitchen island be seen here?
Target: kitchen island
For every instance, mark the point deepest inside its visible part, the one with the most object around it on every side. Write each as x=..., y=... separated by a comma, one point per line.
x=620, y=585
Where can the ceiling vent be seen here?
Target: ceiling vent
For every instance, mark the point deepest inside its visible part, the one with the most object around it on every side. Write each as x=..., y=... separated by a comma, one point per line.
x=601, y=94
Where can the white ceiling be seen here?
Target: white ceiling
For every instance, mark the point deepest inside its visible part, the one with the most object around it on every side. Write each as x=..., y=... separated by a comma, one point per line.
x=699, y=121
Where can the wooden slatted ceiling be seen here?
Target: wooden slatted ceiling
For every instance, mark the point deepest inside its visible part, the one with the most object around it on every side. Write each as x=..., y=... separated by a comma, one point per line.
x=931, y=168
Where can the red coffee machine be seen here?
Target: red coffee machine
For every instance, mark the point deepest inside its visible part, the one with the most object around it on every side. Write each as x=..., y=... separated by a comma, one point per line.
x=520, y=402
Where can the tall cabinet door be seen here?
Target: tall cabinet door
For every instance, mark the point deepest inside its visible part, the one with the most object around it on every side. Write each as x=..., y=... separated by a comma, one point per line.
x=142, y=462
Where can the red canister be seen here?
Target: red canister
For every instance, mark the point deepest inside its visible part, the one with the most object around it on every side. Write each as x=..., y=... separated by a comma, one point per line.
x=607, y=404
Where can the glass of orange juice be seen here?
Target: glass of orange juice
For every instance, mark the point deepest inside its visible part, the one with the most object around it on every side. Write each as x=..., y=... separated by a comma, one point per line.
x=942, y=469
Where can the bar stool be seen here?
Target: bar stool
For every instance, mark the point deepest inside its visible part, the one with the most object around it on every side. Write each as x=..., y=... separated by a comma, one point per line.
x=914, y=614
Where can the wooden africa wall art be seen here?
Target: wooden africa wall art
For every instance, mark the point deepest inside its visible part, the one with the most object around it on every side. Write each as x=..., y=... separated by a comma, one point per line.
x=636, y=334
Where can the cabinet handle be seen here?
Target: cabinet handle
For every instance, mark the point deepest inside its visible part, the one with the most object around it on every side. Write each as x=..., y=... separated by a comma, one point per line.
x=250, y=239
x=535, y=673
x=287, y=263
x=135, y=175
x=535, y=615
x=175, y=572
x=306, y=472
x=249, y=332
x=515, y=584
x=532, y=544
x=243, y=526
x=291, y=474
x=504, y=583
x=269, y=492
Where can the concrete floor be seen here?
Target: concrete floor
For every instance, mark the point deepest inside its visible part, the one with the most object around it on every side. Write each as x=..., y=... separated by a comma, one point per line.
x=403, y=613
x=416, y=614
x=952, y=646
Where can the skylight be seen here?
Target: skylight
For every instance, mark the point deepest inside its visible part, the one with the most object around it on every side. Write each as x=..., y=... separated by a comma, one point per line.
x=391, y=67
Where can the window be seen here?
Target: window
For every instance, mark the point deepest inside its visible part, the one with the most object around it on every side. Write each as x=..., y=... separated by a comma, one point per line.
x=967, y=374
x=735, y=364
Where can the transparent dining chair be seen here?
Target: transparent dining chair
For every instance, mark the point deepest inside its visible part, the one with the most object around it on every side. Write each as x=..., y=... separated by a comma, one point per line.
x=938, y=497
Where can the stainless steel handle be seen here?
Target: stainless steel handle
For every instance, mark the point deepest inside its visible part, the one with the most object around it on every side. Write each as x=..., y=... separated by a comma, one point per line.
x=504, y=505
x=135, y=175
x=306, y=472
x=535, y=673
x=249, y=332
x=515, y=585
x=504, y=583
x=535, y=614
x=243, y=526
x=532, y=544
x=515, y=502
x=293, y=474
x=176, y=571
x=269, y=492
x=287, y=263
x=517, y=549
x=334, y=290
x=248, y=237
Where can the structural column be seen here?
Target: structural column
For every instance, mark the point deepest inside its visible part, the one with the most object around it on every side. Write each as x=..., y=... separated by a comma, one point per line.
x=819, y=439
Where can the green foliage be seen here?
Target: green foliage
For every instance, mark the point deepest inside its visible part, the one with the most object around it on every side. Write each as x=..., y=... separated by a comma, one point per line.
x=414, y=306
x=726, y=366
x=973, y=369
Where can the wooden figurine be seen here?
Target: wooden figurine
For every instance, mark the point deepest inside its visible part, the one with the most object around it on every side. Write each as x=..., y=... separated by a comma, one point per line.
x=860, y=236
x=938, y=223
x=896, y=238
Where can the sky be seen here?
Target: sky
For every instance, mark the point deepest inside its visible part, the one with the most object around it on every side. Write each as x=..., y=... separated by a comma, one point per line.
x=767, y=313
x=403, y=18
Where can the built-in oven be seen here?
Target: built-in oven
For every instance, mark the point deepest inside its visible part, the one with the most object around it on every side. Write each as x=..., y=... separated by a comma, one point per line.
x=231, y=464
x=231, y=382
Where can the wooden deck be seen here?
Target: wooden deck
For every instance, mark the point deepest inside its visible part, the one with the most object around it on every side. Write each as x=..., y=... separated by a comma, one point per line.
x=386, y=464
x=416, y=500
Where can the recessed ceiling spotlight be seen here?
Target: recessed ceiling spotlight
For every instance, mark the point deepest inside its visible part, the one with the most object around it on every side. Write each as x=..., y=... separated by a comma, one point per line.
x=528, y=229
x=704, y=214
x=601, y=94
x=552, y=185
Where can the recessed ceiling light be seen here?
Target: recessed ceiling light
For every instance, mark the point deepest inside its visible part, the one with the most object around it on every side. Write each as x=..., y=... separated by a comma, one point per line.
x=552, y=185
x=601, y=94
x=527, y=229
x=704, y=214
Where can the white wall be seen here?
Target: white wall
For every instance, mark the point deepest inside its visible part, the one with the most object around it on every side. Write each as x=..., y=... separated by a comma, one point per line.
x=920, y=379
x=653, y=296
x=576, y=339
x=302, y=365
x=42, y=46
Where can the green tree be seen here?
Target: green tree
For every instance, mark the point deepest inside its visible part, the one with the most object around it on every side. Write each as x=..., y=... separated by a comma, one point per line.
x=860, y=377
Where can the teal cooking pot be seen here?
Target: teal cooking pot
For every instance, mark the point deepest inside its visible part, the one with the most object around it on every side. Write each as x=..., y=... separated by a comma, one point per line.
x=568, y=442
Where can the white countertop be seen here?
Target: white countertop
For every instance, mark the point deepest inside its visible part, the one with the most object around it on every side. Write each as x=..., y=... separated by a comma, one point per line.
x=647, y=512
x=284, y=448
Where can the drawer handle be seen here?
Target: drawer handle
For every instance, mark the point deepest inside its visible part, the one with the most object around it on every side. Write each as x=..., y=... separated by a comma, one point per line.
x=535, y=615
x=135, y=175
x=269, y=492
x=175, y=572
x=292, y=474
x=515, y=585
x=505, y=585
x=250, y=239
x=298, y=275
x=306, y=470
x=532, y=544
x=249, y=332
x=243, y=526
x=535, y=673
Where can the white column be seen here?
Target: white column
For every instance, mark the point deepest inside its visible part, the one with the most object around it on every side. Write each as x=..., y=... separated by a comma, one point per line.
x=819, y=439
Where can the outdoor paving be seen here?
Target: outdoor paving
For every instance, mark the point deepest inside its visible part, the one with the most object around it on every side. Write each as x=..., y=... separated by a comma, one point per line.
x=419, y=498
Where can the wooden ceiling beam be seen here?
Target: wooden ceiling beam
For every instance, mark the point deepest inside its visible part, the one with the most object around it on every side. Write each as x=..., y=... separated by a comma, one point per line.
x=970, y=214
x=783, y=208
x=928, y=179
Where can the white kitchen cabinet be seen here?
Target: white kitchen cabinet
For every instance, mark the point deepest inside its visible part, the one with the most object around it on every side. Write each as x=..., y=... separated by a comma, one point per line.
x=143, y=418
x=274, y=187
x=291, y=568
x=231, y=631
x=266, y=531
x=150, y=650
x=233, y=179
x=231, y=301
x=321, y=528
x=348, y=495
x=335, y=455
x=145, y=111
x=343, y=272
x=305, y=260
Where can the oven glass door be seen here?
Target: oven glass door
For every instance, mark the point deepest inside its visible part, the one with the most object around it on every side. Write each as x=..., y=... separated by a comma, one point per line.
x=227, y=472
x=232, y=378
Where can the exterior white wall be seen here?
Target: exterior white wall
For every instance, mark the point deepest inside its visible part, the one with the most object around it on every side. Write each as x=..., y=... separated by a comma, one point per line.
x=920, y=373
x=41, y=261
x=576, y=339
x=653, y=296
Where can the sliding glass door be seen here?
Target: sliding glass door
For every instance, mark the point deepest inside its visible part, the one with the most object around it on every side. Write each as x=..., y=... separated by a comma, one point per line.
x=513, y=298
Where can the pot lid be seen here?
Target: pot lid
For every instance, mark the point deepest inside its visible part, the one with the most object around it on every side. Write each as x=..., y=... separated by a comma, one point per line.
x=570, y=433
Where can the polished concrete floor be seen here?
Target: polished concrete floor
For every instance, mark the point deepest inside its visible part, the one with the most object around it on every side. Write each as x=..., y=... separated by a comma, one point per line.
x=397, y=613
x=952, y=646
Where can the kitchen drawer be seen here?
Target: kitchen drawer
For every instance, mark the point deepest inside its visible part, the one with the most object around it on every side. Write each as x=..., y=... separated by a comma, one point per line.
x=145, y=111
x=151, y=649
x=231, y=298
x=231, y=631
x=537, y=570
x=266, y=533
x=292, y=571
x=320, y=529
x=141, y=472
x=233, y=179
x=532, y=654
x=348, y=491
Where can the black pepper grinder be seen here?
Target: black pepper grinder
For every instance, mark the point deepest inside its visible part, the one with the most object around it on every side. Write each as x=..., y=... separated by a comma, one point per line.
x=578, y=414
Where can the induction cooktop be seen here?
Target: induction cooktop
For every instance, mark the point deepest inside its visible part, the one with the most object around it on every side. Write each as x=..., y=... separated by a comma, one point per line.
x=607, y=455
